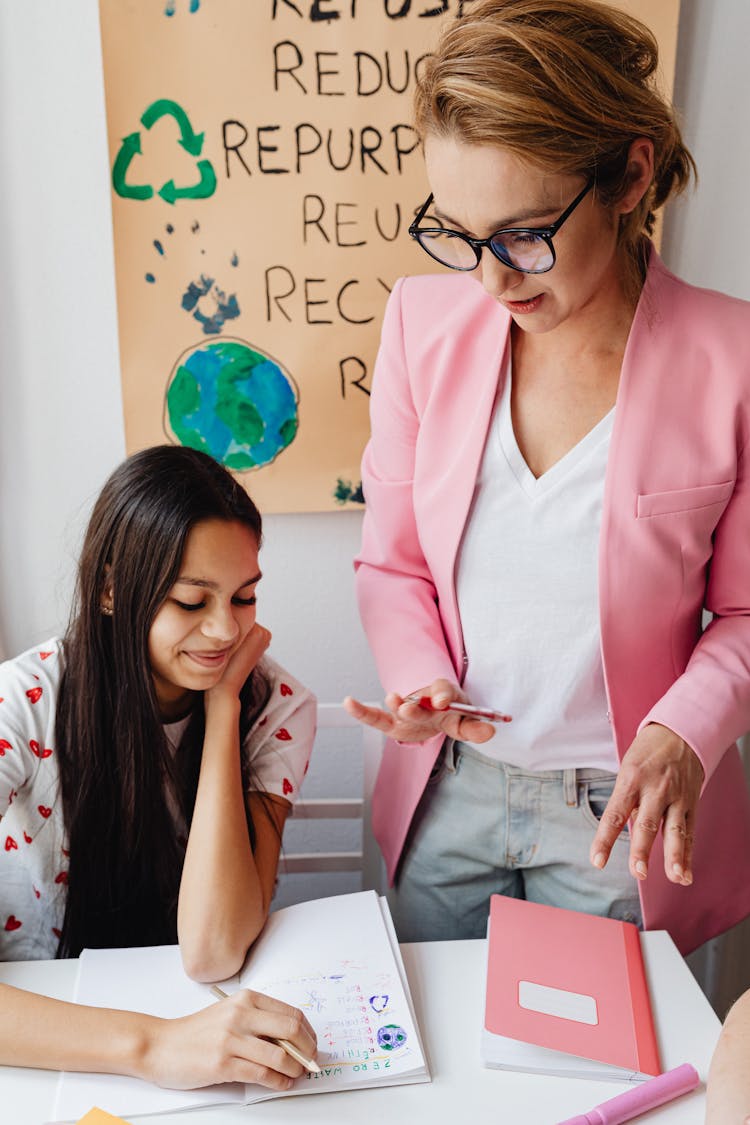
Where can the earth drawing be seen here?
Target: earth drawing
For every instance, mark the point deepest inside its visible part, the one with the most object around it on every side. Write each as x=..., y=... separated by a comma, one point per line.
x=232, y=400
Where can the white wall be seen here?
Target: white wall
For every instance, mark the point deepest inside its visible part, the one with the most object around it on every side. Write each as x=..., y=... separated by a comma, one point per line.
x=708, y=232
x=60, y=417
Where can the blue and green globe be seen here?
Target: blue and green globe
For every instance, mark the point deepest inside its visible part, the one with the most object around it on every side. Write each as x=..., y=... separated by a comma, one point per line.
x=230, y=399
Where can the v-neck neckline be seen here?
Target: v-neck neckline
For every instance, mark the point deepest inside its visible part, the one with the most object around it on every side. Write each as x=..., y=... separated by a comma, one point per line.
x=535, y=486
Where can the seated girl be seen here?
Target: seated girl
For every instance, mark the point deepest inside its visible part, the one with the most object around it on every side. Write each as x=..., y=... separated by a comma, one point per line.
x=148, y=761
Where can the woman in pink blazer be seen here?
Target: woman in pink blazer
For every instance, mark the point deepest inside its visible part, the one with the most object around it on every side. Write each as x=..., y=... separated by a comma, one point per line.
x=548, y=151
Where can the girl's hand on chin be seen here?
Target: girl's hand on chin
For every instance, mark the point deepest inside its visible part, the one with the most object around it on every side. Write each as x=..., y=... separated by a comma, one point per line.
x=228, y=1042
x=241, y=663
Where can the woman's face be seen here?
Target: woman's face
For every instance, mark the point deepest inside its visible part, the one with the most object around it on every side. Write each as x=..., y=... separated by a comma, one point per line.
x=206, y=615
x=480, y=189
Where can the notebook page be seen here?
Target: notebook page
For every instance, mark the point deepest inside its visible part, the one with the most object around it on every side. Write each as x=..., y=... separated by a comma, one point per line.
x=338, y=965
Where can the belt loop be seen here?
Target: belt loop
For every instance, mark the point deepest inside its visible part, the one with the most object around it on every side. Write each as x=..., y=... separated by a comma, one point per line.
x=570, y=788
x=450, y=754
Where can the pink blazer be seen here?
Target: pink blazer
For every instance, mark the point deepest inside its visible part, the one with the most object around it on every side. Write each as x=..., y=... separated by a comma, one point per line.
x=675, y=539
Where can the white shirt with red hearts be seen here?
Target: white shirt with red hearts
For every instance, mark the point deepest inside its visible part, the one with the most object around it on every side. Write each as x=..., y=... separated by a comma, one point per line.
x=33, y=843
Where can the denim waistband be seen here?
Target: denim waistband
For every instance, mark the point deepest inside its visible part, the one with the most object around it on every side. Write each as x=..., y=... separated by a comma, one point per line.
x=569, y=778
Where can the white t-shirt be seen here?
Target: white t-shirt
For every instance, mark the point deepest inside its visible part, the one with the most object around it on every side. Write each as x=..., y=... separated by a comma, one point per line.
x=33, y=842
x=527, y=589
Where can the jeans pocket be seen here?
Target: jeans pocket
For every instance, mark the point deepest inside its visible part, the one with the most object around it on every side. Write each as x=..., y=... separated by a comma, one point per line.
x=441, y=766
x=593, y=797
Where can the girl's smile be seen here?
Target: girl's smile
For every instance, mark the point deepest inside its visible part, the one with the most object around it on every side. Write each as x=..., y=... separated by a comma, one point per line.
x=206, y=615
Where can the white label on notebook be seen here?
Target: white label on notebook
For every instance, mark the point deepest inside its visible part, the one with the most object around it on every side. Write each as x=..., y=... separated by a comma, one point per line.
x=557, y=1002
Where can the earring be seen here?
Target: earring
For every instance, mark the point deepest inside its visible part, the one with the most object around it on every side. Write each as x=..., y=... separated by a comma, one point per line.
x=107, y=610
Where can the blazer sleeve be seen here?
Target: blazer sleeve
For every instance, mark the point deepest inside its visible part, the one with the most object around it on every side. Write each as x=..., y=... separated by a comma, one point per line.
x=709, y=704
x=397, y=597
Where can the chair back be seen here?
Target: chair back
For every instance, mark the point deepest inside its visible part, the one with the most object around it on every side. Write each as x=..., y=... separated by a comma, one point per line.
x=329, y=832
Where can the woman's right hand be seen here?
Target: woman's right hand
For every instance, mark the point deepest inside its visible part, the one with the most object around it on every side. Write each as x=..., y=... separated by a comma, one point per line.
x=406, y=721
x=229, y=1042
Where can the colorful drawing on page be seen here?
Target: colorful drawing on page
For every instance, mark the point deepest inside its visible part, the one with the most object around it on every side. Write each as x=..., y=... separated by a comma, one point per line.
x=313, y=1001
x=346, y=1011
x=391, y=1037
x=233, y=401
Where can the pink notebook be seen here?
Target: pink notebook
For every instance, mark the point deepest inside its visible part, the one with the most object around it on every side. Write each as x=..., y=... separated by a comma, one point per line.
x=566, y=994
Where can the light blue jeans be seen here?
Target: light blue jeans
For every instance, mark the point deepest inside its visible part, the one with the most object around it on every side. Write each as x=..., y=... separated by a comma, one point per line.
x=484, y=827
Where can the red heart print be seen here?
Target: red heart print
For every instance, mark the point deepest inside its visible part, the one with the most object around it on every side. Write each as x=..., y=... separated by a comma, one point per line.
x=64, y=852
x=287, y=786
x=56, y=932
x=12, y=923
x=4, y=745
x=286, y=690
x=10, y=844
x=263, y=721
x=34, y=694
x=62, y=878
x=38, y=750
x=44, y=655
x=307, y=766
x=44, y=811
x=36, y=892
x=26, y=837
x=283, y=735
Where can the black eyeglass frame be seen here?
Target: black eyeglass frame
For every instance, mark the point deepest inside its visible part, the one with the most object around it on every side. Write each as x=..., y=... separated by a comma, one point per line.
x=478, y=244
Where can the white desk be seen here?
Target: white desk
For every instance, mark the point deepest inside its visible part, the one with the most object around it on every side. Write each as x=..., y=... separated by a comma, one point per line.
x=447, y=983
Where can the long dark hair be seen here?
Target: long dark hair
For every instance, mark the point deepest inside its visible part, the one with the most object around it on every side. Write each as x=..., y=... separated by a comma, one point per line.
x=117, y=773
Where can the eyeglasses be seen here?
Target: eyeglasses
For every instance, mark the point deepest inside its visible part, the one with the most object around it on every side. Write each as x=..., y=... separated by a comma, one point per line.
x=526, y=249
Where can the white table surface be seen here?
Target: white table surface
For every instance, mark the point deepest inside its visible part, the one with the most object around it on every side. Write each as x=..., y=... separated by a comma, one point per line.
x=447, y=984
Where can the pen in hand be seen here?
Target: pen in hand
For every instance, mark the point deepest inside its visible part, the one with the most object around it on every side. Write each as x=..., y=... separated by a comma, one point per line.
x=294, y=1052
x=467, y=709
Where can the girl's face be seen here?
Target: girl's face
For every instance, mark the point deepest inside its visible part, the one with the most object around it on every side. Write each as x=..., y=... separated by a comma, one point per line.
x=480, y=189
x=206, y=615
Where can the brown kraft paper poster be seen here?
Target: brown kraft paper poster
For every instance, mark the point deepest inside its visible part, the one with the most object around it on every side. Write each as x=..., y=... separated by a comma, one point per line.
x=264, y=173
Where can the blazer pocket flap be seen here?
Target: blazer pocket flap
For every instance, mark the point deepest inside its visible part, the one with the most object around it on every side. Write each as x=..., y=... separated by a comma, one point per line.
x=683, y=499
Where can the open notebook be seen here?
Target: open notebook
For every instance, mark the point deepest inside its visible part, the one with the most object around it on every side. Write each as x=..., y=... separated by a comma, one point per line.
x=337, y=959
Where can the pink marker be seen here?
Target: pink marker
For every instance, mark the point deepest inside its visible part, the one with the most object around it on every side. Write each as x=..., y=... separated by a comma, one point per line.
x=647, y=1096
x=467, y=709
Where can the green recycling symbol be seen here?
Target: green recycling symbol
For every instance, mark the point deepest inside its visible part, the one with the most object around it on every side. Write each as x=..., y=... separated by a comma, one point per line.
x=192, y=143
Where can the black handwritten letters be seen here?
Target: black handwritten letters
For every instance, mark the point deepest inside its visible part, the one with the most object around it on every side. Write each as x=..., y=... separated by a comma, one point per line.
x=273, y=150
x=331, y=74
x=334, y=108
x=323, y=11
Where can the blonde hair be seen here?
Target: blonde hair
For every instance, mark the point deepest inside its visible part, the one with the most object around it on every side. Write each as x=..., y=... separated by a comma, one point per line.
x=567, y=85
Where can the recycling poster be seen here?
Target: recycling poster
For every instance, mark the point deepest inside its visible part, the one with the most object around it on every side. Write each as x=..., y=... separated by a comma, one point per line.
x=264, y=172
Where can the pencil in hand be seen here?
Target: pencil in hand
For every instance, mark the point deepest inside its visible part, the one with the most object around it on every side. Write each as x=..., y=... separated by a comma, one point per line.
x=291, y=1050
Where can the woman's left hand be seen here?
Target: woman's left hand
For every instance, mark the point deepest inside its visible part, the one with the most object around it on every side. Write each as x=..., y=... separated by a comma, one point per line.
x=658, y=786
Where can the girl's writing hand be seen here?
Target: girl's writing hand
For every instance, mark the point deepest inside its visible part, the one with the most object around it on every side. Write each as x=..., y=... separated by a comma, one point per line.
x=241, y=662
x=409, y=722
x=229, y=1042
x=658, y=785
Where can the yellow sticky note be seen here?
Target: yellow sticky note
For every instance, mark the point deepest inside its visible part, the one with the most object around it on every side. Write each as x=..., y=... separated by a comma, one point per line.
x=97, y=1116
